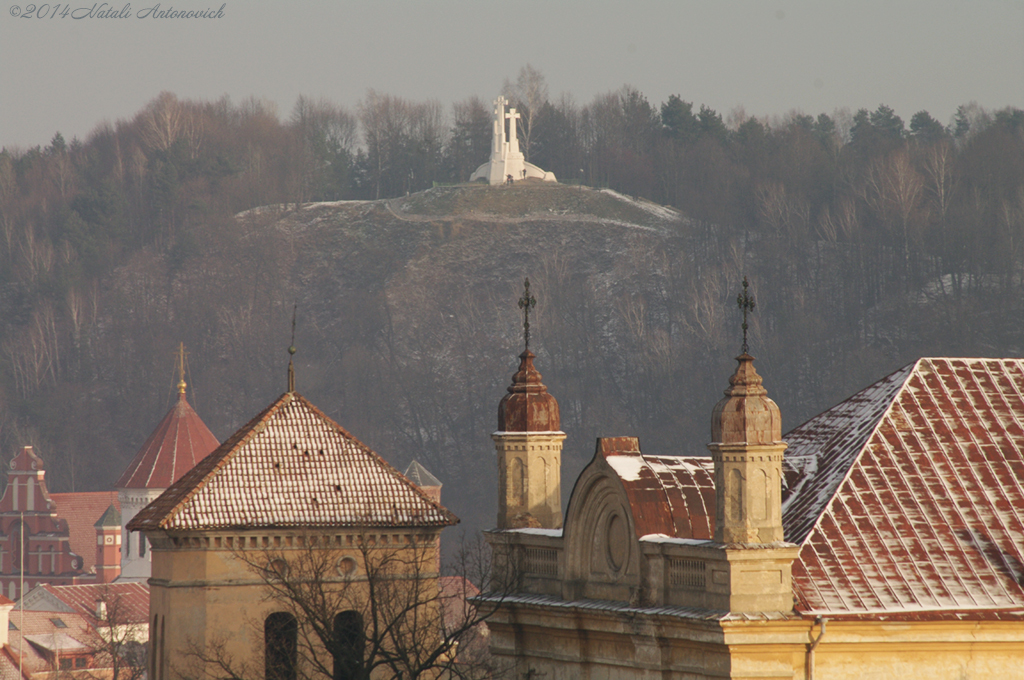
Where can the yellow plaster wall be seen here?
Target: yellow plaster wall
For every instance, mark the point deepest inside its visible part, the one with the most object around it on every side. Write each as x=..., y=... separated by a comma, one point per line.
x=209, y=595
x=876, y=650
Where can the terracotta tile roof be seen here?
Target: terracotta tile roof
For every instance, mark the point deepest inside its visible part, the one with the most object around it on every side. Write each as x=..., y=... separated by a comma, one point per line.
x=41, y=633
x=291, y=465
x=179, y=442
x=910, y=495
x=669, y=495
x=128, y=601
x=81, y=510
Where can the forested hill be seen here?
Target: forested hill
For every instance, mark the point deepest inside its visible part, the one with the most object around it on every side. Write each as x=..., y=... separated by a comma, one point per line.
x=866, y=246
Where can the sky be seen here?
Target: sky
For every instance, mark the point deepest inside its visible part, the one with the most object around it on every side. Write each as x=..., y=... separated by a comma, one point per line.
x=59, y=73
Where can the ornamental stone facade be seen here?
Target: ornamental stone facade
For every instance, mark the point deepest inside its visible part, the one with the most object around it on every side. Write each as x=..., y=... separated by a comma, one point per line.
x=847, y=549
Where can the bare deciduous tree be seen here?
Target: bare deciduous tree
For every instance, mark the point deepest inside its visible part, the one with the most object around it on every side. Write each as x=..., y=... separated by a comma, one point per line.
x=530, y=90
x=117, y=638
x=373, y=609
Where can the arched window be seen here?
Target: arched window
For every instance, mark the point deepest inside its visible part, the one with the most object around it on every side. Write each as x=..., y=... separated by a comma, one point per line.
x=280, y=638
x=348, y=645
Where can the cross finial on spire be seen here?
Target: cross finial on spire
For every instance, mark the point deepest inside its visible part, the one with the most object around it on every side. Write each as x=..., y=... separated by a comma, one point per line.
x=746, y=303
x=526, y=303
x=291, y=353
x=181, y=368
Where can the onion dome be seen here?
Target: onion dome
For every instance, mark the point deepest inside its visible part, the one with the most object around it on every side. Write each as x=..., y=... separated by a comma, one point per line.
x=528, y=407
x=746, y=415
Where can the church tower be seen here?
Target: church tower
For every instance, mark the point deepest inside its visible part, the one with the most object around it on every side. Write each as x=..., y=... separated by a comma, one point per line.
x=529, y=446
x=746, y=447
x=179, y=442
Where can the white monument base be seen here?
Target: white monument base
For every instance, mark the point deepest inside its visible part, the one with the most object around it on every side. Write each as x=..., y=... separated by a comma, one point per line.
x=498, y=172
x=507, y=162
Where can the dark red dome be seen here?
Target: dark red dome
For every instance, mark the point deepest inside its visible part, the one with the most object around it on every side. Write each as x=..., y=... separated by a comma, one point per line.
x=528, y=407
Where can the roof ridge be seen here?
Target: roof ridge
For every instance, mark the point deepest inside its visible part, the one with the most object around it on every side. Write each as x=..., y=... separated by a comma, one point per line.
x=867, y=440
x=239, y=439
x=205, y=468
x=416, y=489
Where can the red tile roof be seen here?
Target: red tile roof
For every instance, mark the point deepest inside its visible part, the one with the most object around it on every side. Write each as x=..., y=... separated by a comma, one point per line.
x=179, y=442
x=907, y=498
x=291, y=465
x=40, y=634
x=127, y=602
x=81, y=510
x=910, y=495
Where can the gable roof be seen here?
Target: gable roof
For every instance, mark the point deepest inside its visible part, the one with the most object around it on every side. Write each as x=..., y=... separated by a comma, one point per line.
x=910, y=494
x=34, y=636
x=179, y=441
x=126, y=601
x=291, y=466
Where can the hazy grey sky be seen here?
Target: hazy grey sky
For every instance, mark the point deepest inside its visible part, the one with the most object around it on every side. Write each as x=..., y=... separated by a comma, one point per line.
x=59, y=73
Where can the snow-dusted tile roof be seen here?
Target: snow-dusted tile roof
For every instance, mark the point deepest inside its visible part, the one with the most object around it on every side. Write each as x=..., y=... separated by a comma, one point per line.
x=820, y=452
x=909, y=497
x=291, y=465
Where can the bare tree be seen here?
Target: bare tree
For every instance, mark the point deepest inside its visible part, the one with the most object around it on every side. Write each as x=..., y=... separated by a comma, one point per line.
x=162, y=121
x=530, y=90
x=118, y=638
x=373, y=609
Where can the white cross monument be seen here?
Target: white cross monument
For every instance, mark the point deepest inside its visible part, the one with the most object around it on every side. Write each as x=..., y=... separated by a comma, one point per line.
x=506, y=159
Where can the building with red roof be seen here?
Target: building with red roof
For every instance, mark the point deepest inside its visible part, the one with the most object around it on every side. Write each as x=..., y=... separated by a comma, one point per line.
x=882, y=538
x=81, y=509
x=177, y=444
x=35, y=543
x=75, y=629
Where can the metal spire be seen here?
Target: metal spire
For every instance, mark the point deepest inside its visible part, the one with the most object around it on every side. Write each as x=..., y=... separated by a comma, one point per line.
x=526, y=303
x=291, y=353
x=746, y=303
x=181, y=368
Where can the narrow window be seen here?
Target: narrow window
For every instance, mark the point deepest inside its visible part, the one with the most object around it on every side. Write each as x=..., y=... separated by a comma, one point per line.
x=348, y=646
x=153, y=635
x=280, y=637
x=518, y=483
x=142, y=545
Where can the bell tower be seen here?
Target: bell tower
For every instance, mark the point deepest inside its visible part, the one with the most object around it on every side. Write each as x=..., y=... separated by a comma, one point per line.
x=746, y=447
x=529, y=445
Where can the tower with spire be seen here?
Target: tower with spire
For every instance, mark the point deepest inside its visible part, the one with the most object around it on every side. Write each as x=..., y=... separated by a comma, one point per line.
x=528, y=442
x=746, y=447
x=179, y=442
